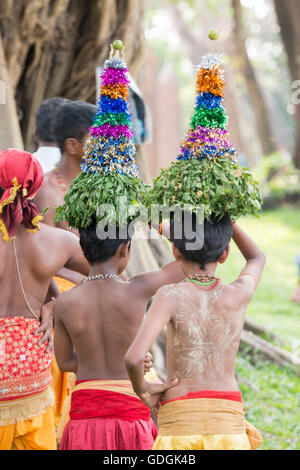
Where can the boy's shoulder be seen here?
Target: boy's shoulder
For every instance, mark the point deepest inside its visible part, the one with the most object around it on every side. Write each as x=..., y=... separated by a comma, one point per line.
x=239, y=292
x=169, y=291
x=68, y=301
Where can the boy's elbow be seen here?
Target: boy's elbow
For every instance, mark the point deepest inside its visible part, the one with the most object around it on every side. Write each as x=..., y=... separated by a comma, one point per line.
x=132, y=360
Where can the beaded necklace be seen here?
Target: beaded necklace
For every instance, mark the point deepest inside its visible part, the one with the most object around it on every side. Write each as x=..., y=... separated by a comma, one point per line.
x=101, y=276
x=204, y=280
x=60, y=180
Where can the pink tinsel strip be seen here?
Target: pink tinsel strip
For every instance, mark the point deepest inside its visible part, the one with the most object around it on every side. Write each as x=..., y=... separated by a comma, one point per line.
x=108, y=130
x=112, y=76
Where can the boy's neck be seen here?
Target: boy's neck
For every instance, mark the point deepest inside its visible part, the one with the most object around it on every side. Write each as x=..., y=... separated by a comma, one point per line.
x=110, y=266
x=193, y=268
x=69, y=167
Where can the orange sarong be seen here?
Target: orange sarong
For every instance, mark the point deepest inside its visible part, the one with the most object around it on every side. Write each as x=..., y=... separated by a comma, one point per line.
x=205, y=424
x=61, y=381
x=26, y=397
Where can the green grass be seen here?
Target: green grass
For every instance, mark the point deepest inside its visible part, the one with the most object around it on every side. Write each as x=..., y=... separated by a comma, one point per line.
x=271, y=394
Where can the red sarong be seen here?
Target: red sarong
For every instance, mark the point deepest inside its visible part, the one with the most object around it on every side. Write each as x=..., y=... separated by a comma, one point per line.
x=103, y=419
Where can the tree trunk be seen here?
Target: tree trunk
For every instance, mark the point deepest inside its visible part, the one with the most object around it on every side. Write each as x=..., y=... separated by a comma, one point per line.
x=258, y=102
x=288, y=14
x=10, y=133
x=52, y=48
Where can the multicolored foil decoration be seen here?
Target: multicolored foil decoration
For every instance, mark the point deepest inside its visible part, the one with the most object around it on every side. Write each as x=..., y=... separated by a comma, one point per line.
x=110, y=147
x=109, y=171
x=207, y=172
x=208, y=137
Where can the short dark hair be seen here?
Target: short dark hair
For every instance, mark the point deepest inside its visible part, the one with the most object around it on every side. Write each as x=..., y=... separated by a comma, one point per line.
x=44, y=117
x=217, y=235
x=96, y=250
x=73, y=120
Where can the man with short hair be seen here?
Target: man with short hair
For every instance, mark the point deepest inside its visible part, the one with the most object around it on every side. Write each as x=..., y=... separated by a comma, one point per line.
x=48, y=153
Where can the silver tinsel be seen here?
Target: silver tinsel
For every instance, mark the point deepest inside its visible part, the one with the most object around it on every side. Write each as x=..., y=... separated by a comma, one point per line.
x=115, y=62
x=209, y=61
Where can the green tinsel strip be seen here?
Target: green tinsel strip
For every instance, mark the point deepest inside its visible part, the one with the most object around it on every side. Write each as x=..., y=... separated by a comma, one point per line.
x=88, y=191
x=113, y=119
x=206, y=117
x=220, y=186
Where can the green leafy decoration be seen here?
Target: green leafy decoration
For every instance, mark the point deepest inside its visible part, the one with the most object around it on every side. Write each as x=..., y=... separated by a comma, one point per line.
x=89, y=191
x=220, y=186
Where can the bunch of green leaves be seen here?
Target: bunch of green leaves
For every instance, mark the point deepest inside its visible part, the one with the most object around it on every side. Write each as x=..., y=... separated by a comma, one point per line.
x=220, y=186
x=90, y=191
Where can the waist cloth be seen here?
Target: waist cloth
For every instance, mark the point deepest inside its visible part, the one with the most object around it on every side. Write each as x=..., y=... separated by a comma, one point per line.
x=208, y=420
x=25, y=371
x=107, y=415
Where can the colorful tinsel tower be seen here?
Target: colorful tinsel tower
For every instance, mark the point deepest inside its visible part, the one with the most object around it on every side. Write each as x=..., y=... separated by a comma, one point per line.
x=207, y=172
x=208, y=137
x=108, y=166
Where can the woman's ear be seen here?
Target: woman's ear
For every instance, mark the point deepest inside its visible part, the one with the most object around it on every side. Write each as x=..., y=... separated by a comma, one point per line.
x=224, y=255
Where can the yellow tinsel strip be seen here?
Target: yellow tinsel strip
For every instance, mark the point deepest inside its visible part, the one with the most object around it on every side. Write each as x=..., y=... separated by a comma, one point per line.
x=36, y=223
x=12, y=196
x=4, y=231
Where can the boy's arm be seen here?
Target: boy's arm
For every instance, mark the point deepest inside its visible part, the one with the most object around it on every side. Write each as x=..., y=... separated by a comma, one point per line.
x=158, y=316
x=149, y=283
x=63, y=346
x=254, y=256
x=76, y=260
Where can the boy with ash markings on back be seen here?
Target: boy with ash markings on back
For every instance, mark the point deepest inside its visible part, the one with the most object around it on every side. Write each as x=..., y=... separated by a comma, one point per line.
x=204, y=319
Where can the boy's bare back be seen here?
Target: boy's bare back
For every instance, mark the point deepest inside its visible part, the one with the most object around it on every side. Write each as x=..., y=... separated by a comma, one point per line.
x=101, y=318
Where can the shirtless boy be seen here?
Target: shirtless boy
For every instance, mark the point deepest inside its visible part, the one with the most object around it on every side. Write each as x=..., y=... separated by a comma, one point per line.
x=27, y=264
x=204, y=319
x=94, y=326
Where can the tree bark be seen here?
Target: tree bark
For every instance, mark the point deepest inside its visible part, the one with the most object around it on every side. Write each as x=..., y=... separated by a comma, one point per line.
x=52, y=48
x=288, y=14
x=10, y=133
x=258, y=102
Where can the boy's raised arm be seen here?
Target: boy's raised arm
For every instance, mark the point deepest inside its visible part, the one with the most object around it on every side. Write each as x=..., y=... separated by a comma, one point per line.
x=76, y=260
x=254, y=256
x=151, y=281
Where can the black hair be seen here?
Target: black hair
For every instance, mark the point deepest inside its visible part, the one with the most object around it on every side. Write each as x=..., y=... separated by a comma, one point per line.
x=1, y=192
x=96, y=250
x=217, y=235
x=44, y=117
x=73, y=121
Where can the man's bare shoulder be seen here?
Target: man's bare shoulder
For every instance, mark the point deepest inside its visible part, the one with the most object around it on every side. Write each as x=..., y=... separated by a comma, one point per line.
x=50, y=193
x=56, y=234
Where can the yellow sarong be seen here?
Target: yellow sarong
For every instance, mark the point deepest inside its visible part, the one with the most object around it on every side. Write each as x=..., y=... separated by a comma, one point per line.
x=205, y=424
x=61, y=380
x=37, y=433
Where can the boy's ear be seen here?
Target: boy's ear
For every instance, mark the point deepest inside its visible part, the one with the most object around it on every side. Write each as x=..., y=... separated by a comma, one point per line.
x=224, y=255
x=73, y=146
x=176, y=252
